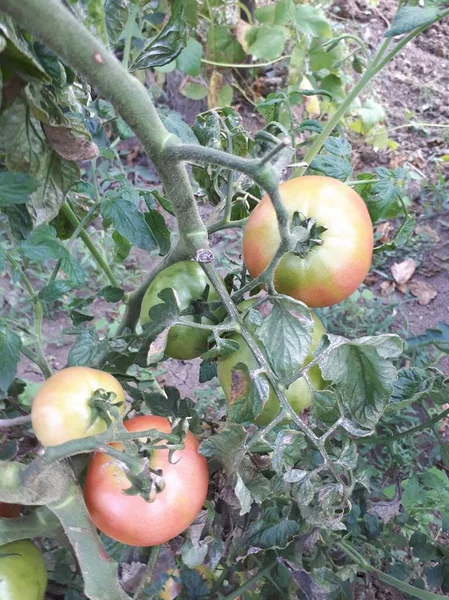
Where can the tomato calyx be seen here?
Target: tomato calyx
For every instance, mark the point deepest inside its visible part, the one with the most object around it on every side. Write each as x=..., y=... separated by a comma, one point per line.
x=306, y=233
x=147, y=484
x=104, y=406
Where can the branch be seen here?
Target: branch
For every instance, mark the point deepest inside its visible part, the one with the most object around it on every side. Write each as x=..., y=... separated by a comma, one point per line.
x=40, y=523
x=7, y=423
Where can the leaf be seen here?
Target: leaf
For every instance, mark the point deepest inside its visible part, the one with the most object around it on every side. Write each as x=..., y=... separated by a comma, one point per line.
x=312, y=21
x=286, y=334
x=55, y=290
x=189, y=61
x=244, y=496
x=303, y=488
x=156, y=223
x=111, y=293
x=249, y=393
x=221, y=44
x=411, y=17
x=194, y=91
x=266, y=42
x=274, y=535
x=86, y=349
x=167, y=45
x=325, y=406
x=337, y=146
x=404, y=270
x=296, y=64
x=363, y=375
x=128, y=221
x=42, y=244
x=70, y=144
x=425, y=292
x=10, y=346
x=306, y=583
x=438, y=336
x=288, y=449
x=227, y=447
x=15, y=188
x=18, y=54
x=176, y=125
x=385, y=510
x=371, y=113
x=74, y=271
x=116, y=13
x=332, y=166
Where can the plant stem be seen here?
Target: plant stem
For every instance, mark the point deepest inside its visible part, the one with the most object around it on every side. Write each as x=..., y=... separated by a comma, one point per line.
x=15, y=422
x=387, y=439
x=40, y=523
x=388, y=579
x=68, y=212
x=248, y=584
x=242, y=65
x=147, y=576
x=226, y=225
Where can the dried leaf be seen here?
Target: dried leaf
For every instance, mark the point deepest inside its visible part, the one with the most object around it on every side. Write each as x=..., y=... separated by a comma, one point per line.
x=386, y=510
x=69, y=145
x=425, y=292
x=403, y=271
x=445, y=421
x=402, y=287
x=387, y=287
x=427, y=233
x=384, y=230
x=240, y=33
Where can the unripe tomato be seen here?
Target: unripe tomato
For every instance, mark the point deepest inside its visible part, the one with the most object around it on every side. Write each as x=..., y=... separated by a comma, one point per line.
x=61, y=410
x=130, y=519
x=298, y=394
x=9, y=511
x=330, y=272
x=22, y=572
x=188, y=281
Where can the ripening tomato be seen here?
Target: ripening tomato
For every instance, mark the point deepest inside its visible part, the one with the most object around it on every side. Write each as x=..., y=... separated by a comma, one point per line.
x=298, y=394
x=9, y=511
x=61, y=410
x=23, y=575
x=131, y=519
x=188, y=281
x=330, y=272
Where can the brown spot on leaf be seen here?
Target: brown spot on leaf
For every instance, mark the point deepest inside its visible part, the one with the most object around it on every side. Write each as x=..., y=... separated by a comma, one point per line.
x=238, y=386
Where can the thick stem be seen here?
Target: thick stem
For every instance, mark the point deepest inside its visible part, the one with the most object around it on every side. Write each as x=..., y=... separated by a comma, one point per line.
x=99, y=571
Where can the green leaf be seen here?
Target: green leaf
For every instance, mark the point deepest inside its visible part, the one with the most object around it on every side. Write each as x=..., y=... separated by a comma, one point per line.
x=176, y=125
x=74, y=271
x=274, y=535
x=194, y=91
x=42, y=244
x=286, y=334
x=288, y=449
x=363, y=375
x=226, y=447
x=222, y=46
x=337, y=146
x=371, y=114
x=266, y=42
x=156, y=223
x=312, y=21
x=310, y=125
x=16, y=187
x=303, y=485
x=111, y=293
x=284, y=12
x=86, y=349
x=249, y=394
x=411, y=17
x=10, y=346
x=325, y=407
x=296, y=64
x=189, y=61
x=128, y=221
x=55, y=290
x=332, y=166
x=122, y=247
x=19, y=220
x=167, y=45
x=437, y=336
x=116, y=13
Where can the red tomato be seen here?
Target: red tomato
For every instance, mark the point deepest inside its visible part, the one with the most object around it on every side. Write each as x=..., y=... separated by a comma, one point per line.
x=130, y=519
x=9, y=511
x=61, y=410
x=330, y=272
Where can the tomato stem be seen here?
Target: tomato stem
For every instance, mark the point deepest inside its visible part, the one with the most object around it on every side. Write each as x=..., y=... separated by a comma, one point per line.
x=148, y=574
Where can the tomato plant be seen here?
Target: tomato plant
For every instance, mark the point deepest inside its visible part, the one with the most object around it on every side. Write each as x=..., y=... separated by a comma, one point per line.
x=190, y=286
x=130, y=519
x=63, y=408
x=329, y=271
x=23, y=575
x=298, y=394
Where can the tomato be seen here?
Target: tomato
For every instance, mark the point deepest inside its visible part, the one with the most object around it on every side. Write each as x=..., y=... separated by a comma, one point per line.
x=130, y=519
x=330, y=272
x=61, y=409
x=9, y=511
x=298, y=394
x=188, y=281
x=172, y=587
x=23, y=575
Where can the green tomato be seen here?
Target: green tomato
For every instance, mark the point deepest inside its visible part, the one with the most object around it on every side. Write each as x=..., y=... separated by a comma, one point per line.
x=298, y=394
x=22, y=572
x=188, y=281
